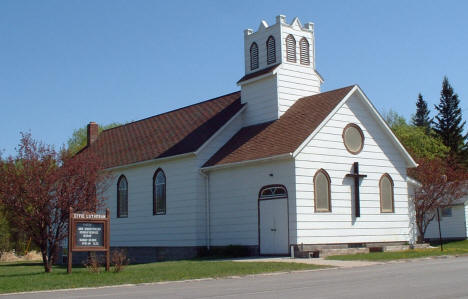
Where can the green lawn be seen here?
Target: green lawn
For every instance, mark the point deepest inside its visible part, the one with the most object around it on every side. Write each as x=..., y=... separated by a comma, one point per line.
x=20, y=276
x=451, y=248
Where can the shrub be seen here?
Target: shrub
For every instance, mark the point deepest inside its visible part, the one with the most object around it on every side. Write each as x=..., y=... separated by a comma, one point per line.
x=92, y=263
x=118, y=259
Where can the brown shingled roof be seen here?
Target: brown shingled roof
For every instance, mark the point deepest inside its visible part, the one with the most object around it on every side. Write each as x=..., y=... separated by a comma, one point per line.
x=173, y=133
x=281, y=136
x=258, y=73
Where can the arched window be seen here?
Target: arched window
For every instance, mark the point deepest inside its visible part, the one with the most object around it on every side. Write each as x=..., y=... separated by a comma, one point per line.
x=304, y=50
x=159, y=193
x=271, y=50
x=254, y=56
x=386, y=194
x=273, y=192
x=290, y=48
x=322, y=194
x=122, y=197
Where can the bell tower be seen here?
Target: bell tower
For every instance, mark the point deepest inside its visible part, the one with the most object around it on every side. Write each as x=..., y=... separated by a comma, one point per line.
x=279, y=68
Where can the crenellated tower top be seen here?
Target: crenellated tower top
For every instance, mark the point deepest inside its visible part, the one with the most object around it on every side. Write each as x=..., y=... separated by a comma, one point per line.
x=279, y=58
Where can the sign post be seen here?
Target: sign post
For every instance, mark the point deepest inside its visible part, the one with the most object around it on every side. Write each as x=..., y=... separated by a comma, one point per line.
x=88, y=232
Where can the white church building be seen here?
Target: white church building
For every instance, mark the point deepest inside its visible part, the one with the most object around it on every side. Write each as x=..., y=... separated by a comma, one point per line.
x=277, y=166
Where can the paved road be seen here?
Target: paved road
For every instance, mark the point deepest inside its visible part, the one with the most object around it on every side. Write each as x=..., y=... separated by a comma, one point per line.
x=434, y=278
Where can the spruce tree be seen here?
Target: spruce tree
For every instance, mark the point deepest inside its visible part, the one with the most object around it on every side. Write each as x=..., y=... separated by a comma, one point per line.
x=448, y=121
x=421, y=118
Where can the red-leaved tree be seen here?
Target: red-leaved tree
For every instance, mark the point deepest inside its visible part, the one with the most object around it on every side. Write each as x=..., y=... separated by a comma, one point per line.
x=39, y=185
x=442, y=184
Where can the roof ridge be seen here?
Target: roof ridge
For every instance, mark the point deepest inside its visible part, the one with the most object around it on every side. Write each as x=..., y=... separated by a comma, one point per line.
x=146, y=118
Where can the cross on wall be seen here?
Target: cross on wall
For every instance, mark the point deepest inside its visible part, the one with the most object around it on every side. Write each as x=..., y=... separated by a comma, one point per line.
x=357, y=177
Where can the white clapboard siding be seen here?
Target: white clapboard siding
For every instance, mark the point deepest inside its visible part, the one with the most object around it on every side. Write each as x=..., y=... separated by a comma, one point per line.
x=260, y=37
x=466, y=218
x=451, y=227
x=184, y=211
x=296, y=80
x=378, y=156
x=270, y=97
x=234, y=200
x=261, y=97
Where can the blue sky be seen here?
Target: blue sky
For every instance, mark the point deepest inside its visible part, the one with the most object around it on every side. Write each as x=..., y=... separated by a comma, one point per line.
x=65, y=63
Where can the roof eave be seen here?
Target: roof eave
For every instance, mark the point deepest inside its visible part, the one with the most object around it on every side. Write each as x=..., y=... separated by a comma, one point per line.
x=409, y=159
x=141, y=163
x=322, y=124
x=242, y=163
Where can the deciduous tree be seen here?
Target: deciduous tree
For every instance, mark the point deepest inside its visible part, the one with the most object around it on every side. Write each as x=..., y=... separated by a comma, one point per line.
x=442, y=184
x=39, y=185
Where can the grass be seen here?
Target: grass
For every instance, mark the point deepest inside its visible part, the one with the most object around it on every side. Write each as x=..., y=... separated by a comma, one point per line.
x=24, y=276
x=451, y=248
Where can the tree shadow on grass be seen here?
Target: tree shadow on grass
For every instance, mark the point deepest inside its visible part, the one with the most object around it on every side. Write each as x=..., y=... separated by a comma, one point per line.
x=20, y=264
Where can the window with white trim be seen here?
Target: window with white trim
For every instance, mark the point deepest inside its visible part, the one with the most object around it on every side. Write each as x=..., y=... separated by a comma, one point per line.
x=386, y=194
x=159, y=193
x=122, y=197
x=322, y=193
x=273, y=192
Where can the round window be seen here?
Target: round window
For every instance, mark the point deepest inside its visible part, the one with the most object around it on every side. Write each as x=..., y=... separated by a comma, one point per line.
x=353, y=138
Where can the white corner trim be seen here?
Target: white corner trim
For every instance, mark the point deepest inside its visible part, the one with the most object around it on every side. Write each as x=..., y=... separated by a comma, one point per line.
x=151, y=161
x=322, y=124
x=202, y=147
x=242, y=163
x=411, y=162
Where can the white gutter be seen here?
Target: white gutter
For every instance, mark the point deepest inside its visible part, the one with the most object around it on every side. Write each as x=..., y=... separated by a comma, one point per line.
x=152, y=161
x=220, y=129
x=234, y=164
x=413, y=182
x=206, y=177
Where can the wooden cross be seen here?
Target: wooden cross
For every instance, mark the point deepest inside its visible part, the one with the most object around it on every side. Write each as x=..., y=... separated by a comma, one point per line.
x=357, y=177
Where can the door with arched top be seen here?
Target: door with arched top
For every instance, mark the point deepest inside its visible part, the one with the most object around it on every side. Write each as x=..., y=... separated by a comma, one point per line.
x=273, y=220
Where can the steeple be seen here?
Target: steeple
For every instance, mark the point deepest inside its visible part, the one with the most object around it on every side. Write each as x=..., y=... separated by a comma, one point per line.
x=279, y=68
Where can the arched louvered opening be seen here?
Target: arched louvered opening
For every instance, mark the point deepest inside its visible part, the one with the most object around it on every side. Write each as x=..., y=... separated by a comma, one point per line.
x=290, y=48
x=386, y=194
x=159, y=193
x=322, y=193
x=122, y=197
x=271, y=50
x=304, y=49
x=254, y=56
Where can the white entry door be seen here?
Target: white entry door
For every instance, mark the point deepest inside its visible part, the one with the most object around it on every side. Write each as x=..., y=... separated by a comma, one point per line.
x=274, y=226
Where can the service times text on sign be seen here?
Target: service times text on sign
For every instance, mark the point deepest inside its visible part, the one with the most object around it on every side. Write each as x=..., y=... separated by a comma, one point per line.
x=89, y=234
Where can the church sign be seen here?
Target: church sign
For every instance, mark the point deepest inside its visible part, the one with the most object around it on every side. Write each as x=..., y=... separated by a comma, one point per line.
x=88, y=232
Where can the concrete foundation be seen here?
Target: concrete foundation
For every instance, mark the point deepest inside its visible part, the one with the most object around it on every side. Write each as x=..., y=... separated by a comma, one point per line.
x=324, y=250
x=147, y=254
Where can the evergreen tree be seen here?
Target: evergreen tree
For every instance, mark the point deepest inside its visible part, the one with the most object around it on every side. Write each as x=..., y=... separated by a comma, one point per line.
x=448, y=121
x=421, y=118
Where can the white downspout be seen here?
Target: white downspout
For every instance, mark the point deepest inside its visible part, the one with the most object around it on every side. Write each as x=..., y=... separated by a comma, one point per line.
x=206, y=176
